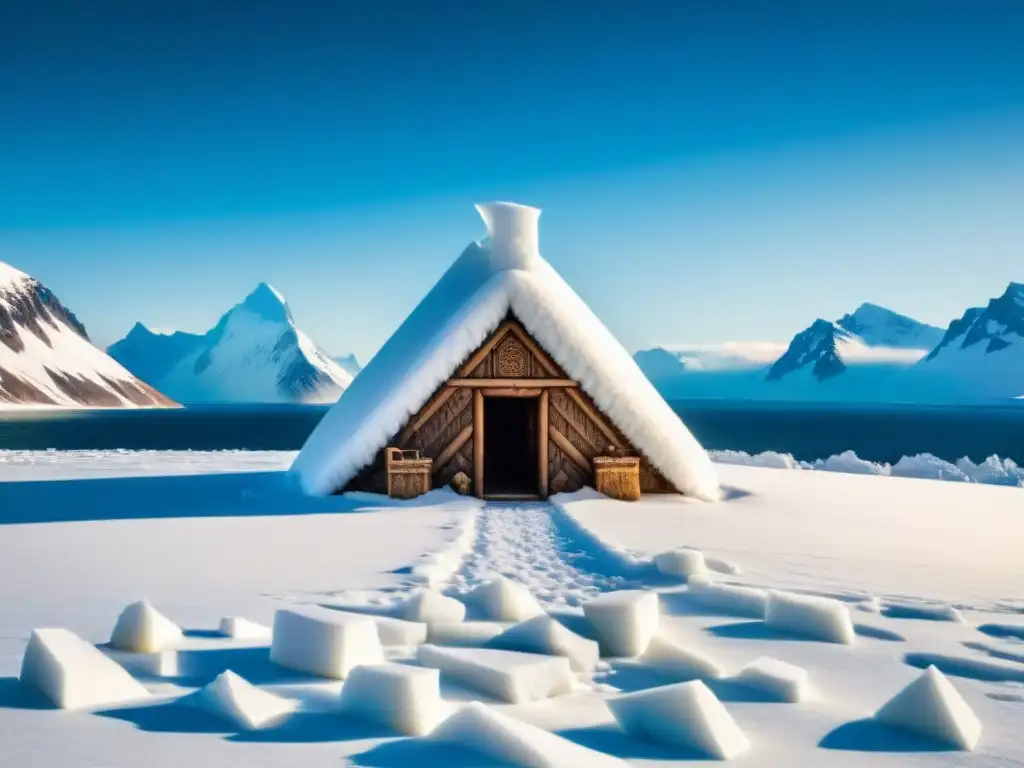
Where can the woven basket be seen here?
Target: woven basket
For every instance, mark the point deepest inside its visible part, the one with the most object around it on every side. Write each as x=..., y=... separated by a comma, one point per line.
x=618, y=477
x=408, y=474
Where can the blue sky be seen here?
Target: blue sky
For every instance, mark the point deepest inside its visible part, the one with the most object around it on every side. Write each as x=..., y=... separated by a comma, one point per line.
x=708, y=170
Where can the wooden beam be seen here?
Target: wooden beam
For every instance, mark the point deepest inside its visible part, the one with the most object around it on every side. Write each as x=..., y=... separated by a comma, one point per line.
x=542, y=449
x=485, y=349
x=432, y=407
x=511, y=392
x=595, y=417
x=541, y=356
x=453, y=447
x=478, y=443
x=599, y=449
x=512, y=383
x=570, y=450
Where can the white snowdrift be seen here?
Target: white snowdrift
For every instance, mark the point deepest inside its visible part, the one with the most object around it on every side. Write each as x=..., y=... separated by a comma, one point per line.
x=781, y=681
x=324, y=642
x=681, y=664
x=405, y=698
x=502, y=599
x=932, y=707
x=504, y=273
x=501, y=738
x=686, y=715
x=818, y=617
x=436, y=568
x=143, y=629
x=729, y=598
x=624, y=621
x=993, y=471
x=72, y=673
x=239, y=702
x=242, y=629
x=544, y=635
x=507, y=675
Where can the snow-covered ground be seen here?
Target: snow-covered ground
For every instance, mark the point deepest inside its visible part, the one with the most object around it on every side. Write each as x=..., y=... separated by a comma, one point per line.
x=902, y=554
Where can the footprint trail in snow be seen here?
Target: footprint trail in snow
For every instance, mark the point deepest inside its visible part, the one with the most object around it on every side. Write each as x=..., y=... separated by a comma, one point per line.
x=521, y=541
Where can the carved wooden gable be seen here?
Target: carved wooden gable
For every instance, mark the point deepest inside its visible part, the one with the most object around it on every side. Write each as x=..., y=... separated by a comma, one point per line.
x=443, y=429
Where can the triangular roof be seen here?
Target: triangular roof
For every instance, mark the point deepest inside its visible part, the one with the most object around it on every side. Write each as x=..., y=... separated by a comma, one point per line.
x=501, y=274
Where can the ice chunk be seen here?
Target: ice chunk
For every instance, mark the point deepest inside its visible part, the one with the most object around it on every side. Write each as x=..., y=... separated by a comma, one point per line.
x=466, y=634
x=431, y=606
x=143, y=629
x=394, y=631
x=542, y=634
x=407, y=699
x=669, y=659
x=681, y=562
x=508, y=675
x=818, y=617
x=931, y=706
x=72, y=673
x=781, y=681
x=624, y=621
x=501, y=738
x=504, y=600
x=324, y=642
x=923, y=612
x=241, y=703
x=243, y=629
x=728, y=598
x=686, y=715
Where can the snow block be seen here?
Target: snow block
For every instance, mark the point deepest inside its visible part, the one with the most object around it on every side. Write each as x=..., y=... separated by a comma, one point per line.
x=430, y=606
x=243, y=629
x=407, y=699
x=504, y=600
x=781, y=681
x=504, y=739
x=143, y=629
x=465, y=634
x=394, y=631
x=507, y=675
x=684, y=715
x=819, y=617
x=931, y=706
x=728, y=598
x=72, y=673
x=236, y=700
x=682, y=562
x=624, y=621
x=669, y=659
x=544, y=635
x=324, y=642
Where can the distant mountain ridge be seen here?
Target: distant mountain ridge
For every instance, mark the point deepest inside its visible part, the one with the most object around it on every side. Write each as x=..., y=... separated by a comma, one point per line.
x=255, y=353
x=46, y=357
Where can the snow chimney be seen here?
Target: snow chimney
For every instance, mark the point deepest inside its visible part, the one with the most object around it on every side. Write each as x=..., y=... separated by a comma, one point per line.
x=512, y=229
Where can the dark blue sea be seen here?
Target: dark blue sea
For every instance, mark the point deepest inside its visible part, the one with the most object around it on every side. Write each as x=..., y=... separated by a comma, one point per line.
x=808, y=431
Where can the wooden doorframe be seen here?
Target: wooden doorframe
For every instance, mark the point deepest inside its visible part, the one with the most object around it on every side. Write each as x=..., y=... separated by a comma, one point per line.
x=480, y=431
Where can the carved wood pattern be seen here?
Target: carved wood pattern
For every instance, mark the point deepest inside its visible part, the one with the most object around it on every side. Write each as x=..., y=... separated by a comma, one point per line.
x=564, y=473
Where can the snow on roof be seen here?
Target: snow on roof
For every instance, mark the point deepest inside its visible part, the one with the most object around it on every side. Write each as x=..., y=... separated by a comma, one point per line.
x=503, y=272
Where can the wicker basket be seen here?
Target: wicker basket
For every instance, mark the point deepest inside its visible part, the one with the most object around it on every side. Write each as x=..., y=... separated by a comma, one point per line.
x=408, y=474
x=618, y=477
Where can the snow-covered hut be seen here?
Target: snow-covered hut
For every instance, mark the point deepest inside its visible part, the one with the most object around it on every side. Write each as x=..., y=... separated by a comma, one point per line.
x=504, y=374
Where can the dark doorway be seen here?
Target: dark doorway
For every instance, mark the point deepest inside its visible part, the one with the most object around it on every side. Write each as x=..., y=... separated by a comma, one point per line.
x=510, y=446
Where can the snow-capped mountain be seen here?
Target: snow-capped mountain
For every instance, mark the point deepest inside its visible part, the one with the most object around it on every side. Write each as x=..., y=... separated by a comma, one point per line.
x=982, y=353
x=349, y=363
x=817, y=349
x=881, y=327
x=46, y=357
x=255, y=353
